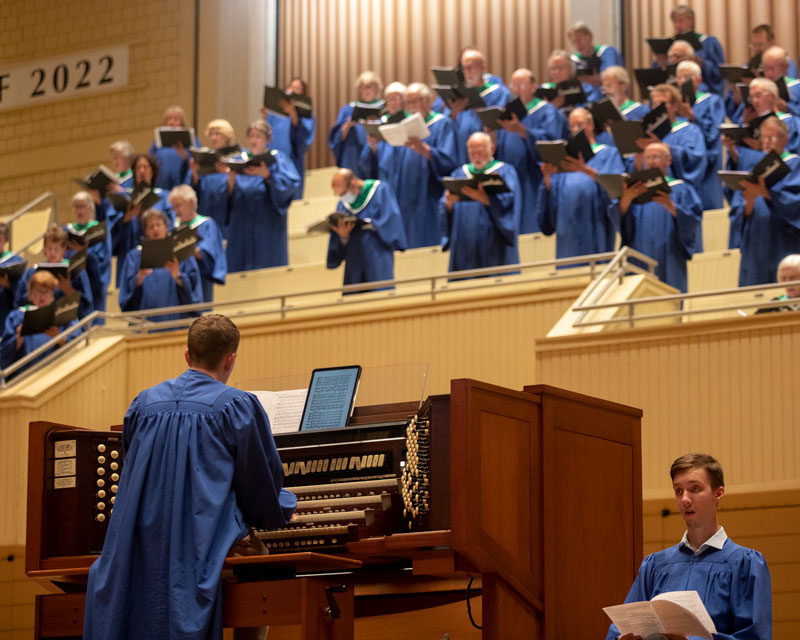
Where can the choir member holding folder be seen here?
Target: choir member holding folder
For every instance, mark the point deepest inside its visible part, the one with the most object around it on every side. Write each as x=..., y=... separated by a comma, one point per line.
x=347, y=138
x=173, y=158
x=666, y=227
x=616, y=83
x=176, y=283
x=259, y=202
x=12, y=266
x=415, y=170
x=293, y=131
x=211, y=181
x=571, y=204
x=562, y=75
x=591, y=60
x=481, y=225
x=98, y=248
x=775, y=67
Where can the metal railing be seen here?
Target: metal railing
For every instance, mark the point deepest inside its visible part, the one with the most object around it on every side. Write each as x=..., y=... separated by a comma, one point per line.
x=27, y=208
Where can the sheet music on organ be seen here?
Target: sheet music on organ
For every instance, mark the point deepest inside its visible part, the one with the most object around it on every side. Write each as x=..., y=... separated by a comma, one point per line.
x=284, y=408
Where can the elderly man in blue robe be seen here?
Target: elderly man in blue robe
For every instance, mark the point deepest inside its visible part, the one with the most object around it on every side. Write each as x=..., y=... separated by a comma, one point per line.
x=561, y=68
x=516, y=142
x=591, y=59
x=668, y=228
x=415, y=171
x=686, y=141
x=732, y=581
x=201, y=468
x=492, y=90
x=571, y=204
x=369, y=233
x=481, y=230
x=708, y=112
x=765, y=221
x=293, y=134
x=616, y=83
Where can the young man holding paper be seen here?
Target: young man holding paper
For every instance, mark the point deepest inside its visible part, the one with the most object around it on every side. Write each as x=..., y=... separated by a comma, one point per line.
x=732, y=581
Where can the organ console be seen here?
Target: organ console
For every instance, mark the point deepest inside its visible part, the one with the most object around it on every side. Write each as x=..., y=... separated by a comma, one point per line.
x=537, y=491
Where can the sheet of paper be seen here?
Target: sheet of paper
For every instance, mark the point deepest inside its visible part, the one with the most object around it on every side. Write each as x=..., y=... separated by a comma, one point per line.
x=689, y=600
x=284, y=408
x=398, y=134
x=635, y=617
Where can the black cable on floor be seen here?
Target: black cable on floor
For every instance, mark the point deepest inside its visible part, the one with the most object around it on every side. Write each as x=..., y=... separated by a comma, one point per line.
x=469, y=606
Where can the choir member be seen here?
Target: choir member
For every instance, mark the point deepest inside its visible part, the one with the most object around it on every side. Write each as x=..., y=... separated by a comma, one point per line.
x=492, y=90
x=709, y=54
x=708, y=112
x=481, y=229
x=765, y=221
x=259, y=202
x=40, y=291
x=98, y=255
x=789, y=271
x=616, y=82
x=121, y=154
x=347, y=138
x=176, y=283
x=561, y=69
x=173, y=162
x=8, y=284
x=591, y=57
x=395, y=97
x=368, y=242
x=414, y=172
x=516, y=142
x=764, y=99
x=762, y=37
x=212, y=188
x=668, y=228
x=293, y=134
x=210, y=252
x=685, y=140
x=732, y=581
x=571, y=204
x=55, y=252
x=775, y=66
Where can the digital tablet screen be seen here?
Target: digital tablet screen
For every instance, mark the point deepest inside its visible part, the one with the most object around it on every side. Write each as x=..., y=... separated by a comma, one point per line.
x=331, y=395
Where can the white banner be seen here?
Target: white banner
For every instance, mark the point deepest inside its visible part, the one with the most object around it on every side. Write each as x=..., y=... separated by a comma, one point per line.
x=63, y=77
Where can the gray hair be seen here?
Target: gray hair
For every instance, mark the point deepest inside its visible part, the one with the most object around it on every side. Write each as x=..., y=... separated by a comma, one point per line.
x=692, y=67
x=620, y=73
x=83, y=196
x=764, y=83
x=424, y=90
x=124, y=147
x=395, y=87
x=792, y=260
x=183, y=192
x=681, y=44
x=368, y=77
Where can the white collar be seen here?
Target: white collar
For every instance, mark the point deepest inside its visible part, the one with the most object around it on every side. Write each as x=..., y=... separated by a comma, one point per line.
x=714, y=542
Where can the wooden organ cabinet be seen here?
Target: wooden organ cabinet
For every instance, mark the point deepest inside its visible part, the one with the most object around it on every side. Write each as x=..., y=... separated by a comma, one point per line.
x=537, y=491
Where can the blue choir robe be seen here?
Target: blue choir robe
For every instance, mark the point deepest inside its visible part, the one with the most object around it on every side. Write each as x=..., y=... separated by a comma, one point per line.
x=213, y=265
x=415, y=181
x=7, y=304
x=257, y=220
x=79, y=281
x=200, y=468
x=172, y=169
x=213, y=198
x=651, y=230
x=733, y=583
x=347, y=151
x=494, y=94
x=9, y=353
x=793, y=87
x=159, y=289
x=294, y=142
x=593, y=94
x=608, y=56
x=772, y=230
x=98, y=264
x=369, y=254
x=630, y=110
x=480, y=236
x=709, y=113
x=576, y=208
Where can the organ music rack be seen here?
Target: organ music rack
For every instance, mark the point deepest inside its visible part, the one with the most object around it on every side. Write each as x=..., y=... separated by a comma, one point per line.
x=538, y=491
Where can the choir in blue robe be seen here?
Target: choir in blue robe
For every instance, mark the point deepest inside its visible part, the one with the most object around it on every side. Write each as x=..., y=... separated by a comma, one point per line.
x=159, y=289
x=494, y=94
x=711, y=56
x=709, y=113
x=369, y=253
x=592, y=93
x=608, y=56
x=347, y=151
x=480, y=236
x=733, y=583
x=630, y=110
x=213, y=198
x=98, y=264
x=172, y=169
x=772, y=230
x=576, y=208
x=294, y=141
x=9, y=353
x=213, y=265
x=256, y=226
x=793, y=88
x=416, y=181
x=79, y=281
x=791, y=121
x=651, y=230
x=543, y=122
x=200, y=468
x=8, y=259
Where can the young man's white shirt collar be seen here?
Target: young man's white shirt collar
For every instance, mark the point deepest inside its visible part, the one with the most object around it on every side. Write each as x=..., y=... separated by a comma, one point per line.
x=714, y=542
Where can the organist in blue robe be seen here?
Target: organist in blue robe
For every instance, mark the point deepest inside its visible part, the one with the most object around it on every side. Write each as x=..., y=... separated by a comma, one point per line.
x=572, y=205
x=481, y=229
x=293, y=134
x=347, y=138
x=366, y=245
x=516, y=143
x=668, y=228
x=210, y=253
x=98, y=255
x=732, y=581
x=616, y=82
x=765, y=221
x=213, y=189
x=415, y=171
x=173, y=162
x=168, y=286
x=8, y=284
x=200, y=468
x=259, y=202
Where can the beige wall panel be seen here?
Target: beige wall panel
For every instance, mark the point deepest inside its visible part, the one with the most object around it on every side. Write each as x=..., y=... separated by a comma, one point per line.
x=330, y=42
